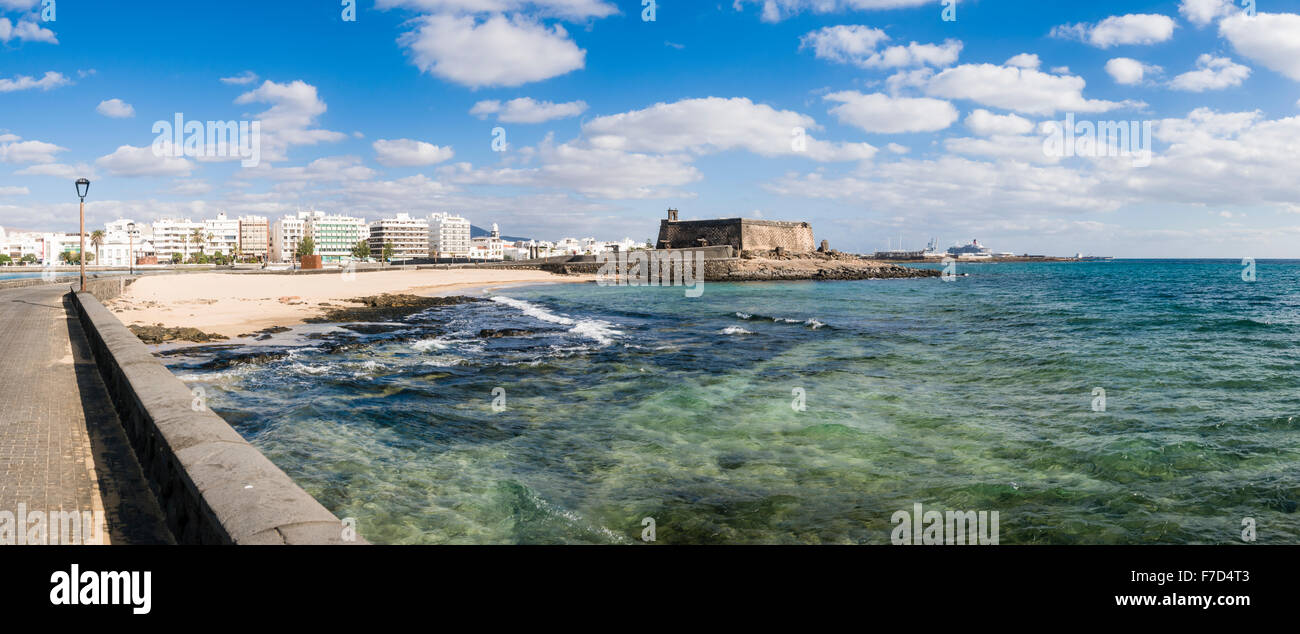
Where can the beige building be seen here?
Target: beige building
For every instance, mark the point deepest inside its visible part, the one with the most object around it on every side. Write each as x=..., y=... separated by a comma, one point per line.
x=409, y=237
x=254, y=237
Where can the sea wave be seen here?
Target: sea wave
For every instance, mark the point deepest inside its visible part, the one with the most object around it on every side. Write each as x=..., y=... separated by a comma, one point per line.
x=600, y=331
x=810, y=322
x=425, y=345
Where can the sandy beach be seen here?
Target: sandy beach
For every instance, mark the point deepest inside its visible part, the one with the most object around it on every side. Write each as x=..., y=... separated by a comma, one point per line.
x=233, y=304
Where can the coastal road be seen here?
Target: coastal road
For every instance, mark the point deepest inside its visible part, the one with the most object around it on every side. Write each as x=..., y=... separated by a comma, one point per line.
x=62, y=447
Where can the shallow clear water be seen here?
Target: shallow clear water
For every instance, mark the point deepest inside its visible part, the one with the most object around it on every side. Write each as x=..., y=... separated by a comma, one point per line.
x=639, y=402
x=34, y=272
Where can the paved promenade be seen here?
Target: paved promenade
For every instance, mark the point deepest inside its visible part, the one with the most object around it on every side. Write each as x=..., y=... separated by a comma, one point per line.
x=62, y=447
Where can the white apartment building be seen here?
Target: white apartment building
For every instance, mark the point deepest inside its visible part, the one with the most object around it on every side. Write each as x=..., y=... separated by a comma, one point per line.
x=448, y=236
x=285, y=236
x=173, y=236
x=54, y=244
x=123, y=239
x=18, y=245
x=409, y=237
x=489, y=247
x=254, y=237
x=221, y=235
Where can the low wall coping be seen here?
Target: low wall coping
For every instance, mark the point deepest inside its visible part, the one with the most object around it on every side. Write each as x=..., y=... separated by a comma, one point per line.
x=242, y=497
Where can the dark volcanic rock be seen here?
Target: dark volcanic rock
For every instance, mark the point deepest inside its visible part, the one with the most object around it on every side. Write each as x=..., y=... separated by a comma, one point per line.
x=372, y=329
x=259, y=357
x=266, y=333
x=488, y=333
x=387, y=307
x=832, y=266
x=162, y=334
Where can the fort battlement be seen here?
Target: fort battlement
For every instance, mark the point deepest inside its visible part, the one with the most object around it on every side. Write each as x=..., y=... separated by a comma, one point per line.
x=742, y=234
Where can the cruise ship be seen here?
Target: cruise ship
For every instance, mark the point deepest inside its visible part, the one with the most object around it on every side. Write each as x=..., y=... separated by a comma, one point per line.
x=972, y=250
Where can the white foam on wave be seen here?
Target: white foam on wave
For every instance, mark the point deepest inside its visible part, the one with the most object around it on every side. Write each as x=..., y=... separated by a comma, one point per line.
x=735, y=330
x=443, y=361
x=533, y=310
x=599, y=331
x=429, y=344
x=602, y=332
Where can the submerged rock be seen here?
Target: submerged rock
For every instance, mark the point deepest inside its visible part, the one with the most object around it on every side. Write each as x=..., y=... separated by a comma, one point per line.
x=488, y=333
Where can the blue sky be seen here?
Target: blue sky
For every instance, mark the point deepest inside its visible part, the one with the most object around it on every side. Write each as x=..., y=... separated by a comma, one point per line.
x=915, y=126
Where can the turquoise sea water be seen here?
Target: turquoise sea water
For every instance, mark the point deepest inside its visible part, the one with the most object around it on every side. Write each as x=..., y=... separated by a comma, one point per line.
x=629, y=403
x=35, y=272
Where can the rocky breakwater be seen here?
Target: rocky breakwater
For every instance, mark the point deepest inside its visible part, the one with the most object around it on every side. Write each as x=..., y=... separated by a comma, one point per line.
x=770, y=266
x=386, y=307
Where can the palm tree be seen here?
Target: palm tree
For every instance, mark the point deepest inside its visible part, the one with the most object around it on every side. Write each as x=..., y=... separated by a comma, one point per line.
x=96, y=239
x=196, y=236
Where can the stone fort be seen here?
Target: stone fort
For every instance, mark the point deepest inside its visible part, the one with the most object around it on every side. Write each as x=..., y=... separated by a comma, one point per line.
x=742, y=234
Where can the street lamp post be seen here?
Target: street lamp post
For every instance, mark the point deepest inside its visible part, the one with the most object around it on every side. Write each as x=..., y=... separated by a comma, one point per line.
x=83, y=188
x=130, y=236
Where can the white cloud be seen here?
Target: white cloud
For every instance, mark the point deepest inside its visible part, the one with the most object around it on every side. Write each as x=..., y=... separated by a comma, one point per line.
x=1140, y=28
x=954, y=186
x=50, y=81
x=244, y=78
x=715, y=124
x=891, y=115
x=289, y=121
x=859, y=45
x=16, y=151
x=1129, y=72
x=571, y=9
x=132, y=161
x=1020, y=89
x=1203, y=12
x=1023, y=149
x=25, y=30
x=322, y=170
x=189, y=188
x=1213, y=73
x=1025, y=60
x=115, y=108
x=1272, y=39
x=527, y=110
x=777, y=10
x=498, y=51
x=599, y=172
x=14, y=191
x=985, y=123
x=898, y=149
x=407, y=153
x=58, y=170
